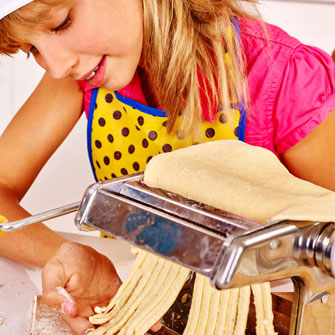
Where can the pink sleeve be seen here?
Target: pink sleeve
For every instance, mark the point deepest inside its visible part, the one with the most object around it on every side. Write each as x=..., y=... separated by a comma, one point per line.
x=306, y=96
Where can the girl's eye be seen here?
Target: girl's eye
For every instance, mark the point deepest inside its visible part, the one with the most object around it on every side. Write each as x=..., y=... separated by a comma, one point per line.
x=33, y=50
x=65, y=24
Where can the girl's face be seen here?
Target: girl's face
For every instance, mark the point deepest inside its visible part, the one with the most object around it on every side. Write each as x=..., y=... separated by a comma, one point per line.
x=99, y=41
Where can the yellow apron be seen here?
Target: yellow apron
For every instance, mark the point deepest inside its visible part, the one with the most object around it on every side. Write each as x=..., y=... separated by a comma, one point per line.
x=123, y=135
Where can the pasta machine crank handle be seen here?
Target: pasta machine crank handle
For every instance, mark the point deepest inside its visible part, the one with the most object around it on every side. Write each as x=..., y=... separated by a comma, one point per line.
x=63, y=210
x=51, y=214
x=303, y=251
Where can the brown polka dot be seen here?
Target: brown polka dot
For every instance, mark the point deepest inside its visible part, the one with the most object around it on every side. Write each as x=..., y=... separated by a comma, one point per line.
x=167, y=148
x=149, y=159
x=109, y=98
x=125, y=110
x=137, y=128
x=110, y=138
x=98, y=144
x=210, y=132
x=117, y=155
x=106, y=178
x=106, y=160
x=96, y=106
x=131, y=149
x=236, y=131
x=164, y=123
x=117, y=115
x=136, y=166
x=113, y=175
x=145, y=143
x=102, y=122
x=140, y=120
x=124, y=171
x=98, y=164
x=152, y=135
x=223, y=118
x=125, y=132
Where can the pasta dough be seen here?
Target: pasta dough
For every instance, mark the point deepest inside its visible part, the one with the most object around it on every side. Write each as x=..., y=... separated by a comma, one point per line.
x=242, y=179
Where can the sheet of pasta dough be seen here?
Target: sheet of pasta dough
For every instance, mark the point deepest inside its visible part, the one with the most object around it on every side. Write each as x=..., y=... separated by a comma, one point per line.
x=242, y=179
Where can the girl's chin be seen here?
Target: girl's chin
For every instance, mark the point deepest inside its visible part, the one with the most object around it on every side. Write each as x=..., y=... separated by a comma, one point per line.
x=114, y=86
x=113, y=83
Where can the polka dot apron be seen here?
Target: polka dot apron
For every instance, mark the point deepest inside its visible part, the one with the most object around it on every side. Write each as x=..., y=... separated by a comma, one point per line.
x=123, y=135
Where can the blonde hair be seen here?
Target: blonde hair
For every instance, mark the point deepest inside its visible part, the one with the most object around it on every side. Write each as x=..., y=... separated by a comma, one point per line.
x=185, y=41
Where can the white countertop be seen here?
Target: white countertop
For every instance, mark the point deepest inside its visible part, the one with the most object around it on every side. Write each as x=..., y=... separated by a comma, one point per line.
x=20, y=284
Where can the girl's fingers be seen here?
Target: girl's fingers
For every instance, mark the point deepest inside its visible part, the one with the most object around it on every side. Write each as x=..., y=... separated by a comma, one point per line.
x=79, y=325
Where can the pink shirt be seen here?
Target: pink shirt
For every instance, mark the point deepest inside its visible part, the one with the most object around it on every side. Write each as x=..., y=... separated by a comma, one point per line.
x=291, y=87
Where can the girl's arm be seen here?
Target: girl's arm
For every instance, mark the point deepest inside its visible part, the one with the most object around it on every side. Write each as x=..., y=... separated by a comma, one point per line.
x=26, y=145
x=313, y=158
x=31, y=138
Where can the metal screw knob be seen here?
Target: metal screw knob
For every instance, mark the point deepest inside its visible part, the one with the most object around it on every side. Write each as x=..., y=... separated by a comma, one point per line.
x=315, y=246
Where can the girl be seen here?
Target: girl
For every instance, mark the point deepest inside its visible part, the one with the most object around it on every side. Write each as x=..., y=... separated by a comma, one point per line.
x=152, y=76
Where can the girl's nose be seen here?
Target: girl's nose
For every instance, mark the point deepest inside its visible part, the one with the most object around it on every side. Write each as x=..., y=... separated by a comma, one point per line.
x=60, y=62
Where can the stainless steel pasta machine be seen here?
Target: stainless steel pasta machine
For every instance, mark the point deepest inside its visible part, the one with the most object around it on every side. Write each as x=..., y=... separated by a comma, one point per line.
x=231, y=250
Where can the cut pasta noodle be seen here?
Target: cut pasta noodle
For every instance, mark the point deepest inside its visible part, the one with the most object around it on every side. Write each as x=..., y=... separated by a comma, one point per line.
x=243, y=310
x=139, y=299
x=143, y=301
x=263, y=304
x=216, y=312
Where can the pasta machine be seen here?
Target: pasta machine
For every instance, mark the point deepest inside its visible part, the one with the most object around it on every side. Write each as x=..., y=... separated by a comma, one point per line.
x=231, y=250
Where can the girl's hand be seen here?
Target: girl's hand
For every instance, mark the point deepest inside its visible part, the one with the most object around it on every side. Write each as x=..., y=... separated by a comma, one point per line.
x=89, y=278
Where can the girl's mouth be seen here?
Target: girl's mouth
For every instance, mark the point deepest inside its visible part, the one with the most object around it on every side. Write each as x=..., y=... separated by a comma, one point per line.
x=95, y=78
x=93, y=73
